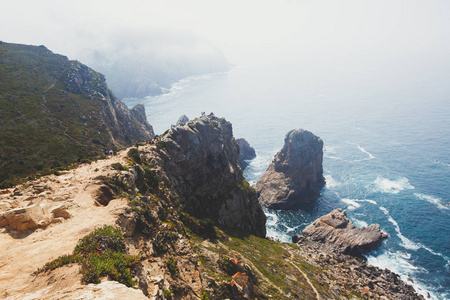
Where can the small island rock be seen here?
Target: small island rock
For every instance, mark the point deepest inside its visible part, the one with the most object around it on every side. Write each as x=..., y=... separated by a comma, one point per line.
x=246, y=152
x=295, y=176
x=336, y=231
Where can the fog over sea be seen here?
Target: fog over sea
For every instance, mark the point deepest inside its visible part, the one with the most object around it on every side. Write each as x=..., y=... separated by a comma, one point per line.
x=386, y=153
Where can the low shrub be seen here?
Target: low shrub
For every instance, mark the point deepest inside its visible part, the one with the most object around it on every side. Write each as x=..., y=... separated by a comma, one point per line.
x=101, y=253
x=134, y=156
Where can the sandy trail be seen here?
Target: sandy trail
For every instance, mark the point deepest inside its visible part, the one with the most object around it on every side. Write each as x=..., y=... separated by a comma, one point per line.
x=22, y=255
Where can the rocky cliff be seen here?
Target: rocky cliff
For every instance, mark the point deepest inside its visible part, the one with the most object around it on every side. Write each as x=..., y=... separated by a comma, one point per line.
x=246, y=152
x=200, y=161
x=295, y=176
x=56, y=111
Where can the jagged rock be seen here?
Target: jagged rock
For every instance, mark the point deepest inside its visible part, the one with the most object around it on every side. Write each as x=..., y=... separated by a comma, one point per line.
x=200, y=163
x=337, y=231
x=295, y=176
x=182, y=120
x=60, y=211
x=246, y=152
x=241, y=285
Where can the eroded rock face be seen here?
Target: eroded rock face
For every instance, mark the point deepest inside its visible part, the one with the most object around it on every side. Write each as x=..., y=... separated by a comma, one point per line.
x=246, y=152
x=199, y=160
x=295, y=176
x=182, y=120
x=337, y=231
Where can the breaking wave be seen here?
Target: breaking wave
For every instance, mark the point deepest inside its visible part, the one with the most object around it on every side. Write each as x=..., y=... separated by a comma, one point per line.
x=433, y=200
x=392, y=186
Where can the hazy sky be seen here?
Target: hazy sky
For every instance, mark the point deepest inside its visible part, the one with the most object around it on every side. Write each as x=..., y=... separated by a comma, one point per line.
x=410, y=36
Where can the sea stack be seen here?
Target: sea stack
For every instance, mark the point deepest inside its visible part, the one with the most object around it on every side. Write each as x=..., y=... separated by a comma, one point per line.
x=295, y=176
x=246, y=152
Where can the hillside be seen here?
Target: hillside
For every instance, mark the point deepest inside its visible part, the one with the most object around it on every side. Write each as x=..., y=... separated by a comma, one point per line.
x=191, y=227
x=55, y=111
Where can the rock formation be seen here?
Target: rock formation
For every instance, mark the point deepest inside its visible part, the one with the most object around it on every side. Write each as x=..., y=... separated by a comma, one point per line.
x=199, y=160
x=182, y=120
x=335, y=230
x=246, y=152
x=295, y=176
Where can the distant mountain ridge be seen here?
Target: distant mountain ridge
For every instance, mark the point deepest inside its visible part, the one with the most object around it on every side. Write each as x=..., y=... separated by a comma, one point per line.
x=55, y=111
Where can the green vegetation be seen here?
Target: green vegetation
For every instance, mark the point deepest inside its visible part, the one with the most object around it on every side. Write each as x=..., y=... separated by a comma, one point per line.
x=161, y=144
x=101, y=253
x=172, y=266
x=246, y=186
x=118, y=166
x=133, y=155
x=45, y=123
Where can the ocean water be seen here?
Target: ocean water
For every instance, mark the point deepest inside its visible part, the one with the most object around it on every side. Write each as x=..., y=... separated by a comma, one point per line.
x=386, y=155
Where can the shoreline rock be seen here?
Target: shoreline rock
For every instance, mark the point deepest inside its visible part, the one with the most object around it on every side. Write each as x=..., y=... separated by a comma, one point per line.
x=295, y=176
x=246, y=152
x=336, y=232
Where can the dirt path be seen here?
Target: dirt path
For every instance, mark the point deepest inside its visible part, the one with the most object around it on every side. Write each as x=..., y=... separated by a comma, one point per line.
x=290, y=260
x=22, y=255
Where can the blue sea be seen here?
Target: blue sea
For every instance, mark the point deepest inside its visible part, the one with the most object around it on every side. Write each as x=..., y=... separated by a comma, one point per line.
x=386, y=154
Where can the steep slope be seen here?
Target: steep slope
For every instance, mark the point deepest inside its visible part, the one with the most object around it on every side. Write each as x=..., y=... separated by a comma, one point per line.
x=55, y=111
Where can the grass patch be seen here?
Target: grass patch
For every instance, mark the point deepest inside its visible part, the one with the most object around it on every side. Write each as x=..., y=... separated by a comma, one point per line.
x=101, y=254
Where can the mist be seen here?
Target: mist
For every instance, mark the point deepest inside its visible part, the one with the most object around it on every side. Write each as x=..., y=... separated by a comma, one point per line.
x=328, y=46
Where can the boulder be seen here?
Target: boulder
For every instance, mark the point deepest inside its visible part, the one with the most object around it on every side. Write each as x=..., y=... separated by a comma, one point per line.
x=246, y=152
x=25, y=218
x=335, y=230
x=295, y=176
x=182, y=120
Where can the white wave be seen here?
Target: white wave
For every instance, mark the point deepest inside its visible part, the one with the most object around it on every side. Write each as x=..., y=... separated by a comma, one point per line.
x=433, y=200
x=278, y=235
x=359, y=223
x=365, y=151
x=398, y=263
x=406, y=243
x=368, y=200
x=392, y=186
x=330, y=182
x=332, y=157
x=329, y=149
x=272, y=219
x=352, y=204
x=291, y=229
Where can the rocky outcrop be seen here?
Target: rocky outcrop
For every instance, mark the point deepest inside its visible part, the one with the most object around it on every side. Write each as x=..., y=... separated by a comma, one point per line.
x=124, y=125
x=199, y=160
x=182, y=120
x=336, y=231
x=246, y=152
x=295, y=176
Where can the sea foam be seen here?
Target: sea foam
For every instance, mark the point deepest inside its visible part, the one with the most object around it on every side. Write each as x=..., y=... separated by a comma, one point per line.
x=406, y=243
x=433, y=200
x=392, y=186
x=330, y=181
